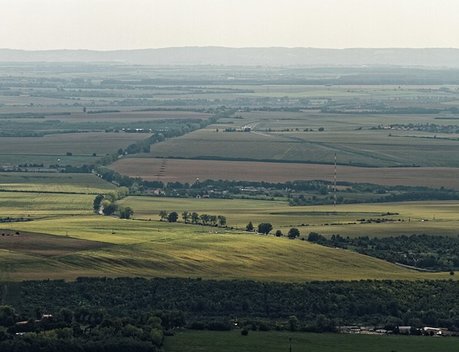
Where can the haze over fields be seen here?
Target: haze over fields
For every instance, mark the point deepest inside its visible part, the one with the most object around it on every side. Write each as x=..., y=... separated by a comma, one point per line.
x=246, y=56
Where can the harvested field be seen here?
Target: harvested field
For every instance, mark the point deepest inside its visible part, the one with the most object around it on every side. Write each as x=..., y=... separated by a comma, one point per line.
x=43, y=244
x=180, y=170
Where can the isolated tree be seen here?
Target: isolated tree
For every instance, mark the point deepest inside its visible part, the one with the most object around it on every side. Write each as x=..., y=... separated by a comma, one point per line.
x=163, y=215
x=279, y=233
x=126, y=212
x=265, y=228
x=293, y=233
x=186, y=216
x=172, y=217
x=221, y=220
x=194, y=218
x=97, y=202
x=249, y=227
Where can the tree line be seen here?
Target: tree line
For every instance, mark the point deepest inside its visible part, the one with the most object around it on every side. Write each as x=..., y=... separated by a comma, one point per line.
x=193, y=218
x=421, y=251
x=211, y=304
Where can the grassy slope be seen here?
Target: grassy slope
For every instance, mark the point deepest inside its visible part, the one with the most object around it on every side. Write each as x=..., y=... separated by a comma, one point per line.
x=203, y=341
x=152, y=248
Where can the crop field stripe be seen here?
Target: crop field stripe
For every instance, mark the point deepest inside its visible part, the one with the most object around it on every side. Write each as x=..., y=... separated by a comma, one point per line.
x=188, y=170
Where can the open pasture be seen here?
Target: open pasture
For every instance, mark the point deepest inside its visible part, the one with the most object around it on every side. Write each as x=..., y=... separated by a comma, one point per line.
x=53, y=182
x=182, y=170
x=256, y=341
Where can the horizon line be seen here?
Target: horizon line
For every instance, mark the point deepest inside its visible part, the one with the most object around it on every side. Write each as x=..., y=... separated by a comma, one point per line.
x=233, y=47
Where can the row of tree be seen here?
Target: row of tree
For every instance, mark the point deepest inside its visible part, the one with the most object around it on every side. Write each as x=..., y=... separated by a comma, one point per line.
x=265, y=228
x=194, y=218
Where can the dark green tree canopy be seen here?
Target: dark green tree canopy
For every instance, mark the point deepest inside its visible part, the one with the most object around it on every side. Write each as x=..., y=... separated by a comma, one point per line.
x=265, y=228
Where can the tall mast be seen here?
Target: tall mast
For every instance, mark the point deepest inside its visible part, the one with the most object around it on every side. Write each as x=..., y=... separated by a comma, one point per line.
x=334, y=185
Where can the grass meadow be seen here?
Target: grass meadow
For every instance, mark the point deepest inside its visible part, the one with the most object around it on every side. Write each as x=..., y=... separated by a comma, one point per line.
x=204, y=341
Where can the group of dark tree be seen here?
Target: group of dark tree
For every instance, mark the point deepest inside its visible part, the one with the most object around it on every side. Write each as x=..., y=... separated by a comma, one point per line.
x=194, y=218
x=420, y=251
x=265, y=228
x=297, y=192
x=106, y=204
x=81, y=329
x=134, y=309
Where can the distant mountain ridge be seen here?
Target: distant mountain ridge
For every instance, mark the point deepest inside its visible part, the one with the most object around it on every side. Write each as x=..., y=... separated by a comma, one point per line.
x=276, y=56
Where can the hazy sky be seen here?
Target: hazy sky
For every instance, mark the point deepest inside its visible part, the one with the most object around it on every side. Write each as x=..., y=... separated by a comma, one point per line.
x=128, y=24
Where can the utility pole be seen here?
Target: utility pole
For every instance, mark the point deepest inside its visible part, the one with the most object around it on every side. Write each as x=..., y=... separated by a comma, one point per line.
x=334, y=185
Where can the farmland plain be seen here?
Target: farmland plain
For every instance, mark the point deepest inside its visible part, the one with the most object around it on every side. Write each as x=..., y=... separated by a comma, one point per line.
x=314, y=137
x=273, y=124
x=183, y=170
x=53, y=182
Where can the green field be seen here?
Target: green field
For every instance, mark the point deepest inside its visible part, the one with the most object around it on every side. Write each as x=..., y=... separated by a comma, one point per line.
x=53, y=182
x=52, y=149
x=151, y=248
x=280, y=136
x=204, y=341
x=434, y=217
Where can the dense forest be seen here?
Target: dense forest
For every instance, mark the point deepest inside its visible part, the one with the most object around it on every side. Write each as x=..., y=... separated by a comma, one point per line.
x=95, y=307
x=421, y=251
